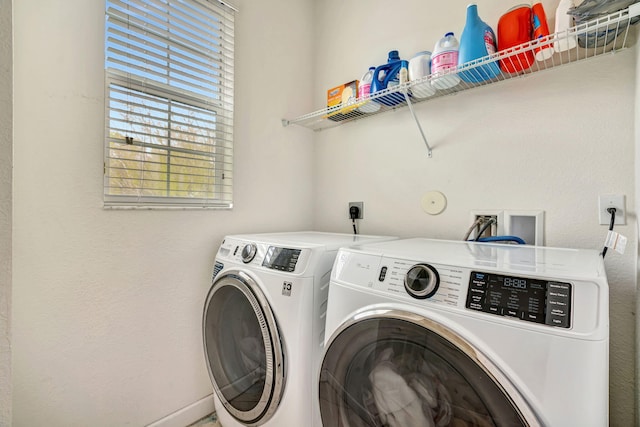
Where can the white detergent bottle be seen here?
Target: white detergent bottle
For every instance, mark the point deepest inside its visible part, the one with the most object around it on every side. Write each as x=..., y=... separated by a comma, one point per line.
x=364, y=92
x=444, y=58
x=564, y=21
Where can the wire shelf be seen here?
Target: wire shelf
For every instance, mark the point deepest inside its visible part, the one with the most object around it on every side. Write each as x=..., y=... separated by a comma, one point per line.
x=600, y=36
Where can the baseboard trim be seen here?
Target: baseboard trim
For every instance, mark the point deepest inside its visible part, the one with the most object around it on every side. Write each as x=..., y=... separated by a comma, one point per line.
x=188, y=415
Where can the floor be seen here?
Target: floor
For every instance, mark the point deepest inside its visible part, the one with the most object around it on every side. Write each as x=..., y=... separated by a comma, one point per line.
x=208, y=421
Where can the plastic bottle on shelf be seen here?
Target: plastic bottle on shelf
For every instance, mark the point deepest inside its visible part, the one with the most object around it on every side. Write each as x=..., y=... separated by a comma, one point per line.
x=419, y=68
x=420, y=65
x=445, y=58
x=403, y=74
x=477, y=40
x=564, y=21
x=387, y=76
x=364, y=92
x=541, y=30
x=515, y=28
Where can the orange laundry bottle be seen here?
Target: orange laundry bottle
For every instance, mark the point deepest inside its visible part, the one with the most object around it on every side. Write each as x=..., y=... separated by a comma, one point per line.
x=540, y=30
x=515, y=28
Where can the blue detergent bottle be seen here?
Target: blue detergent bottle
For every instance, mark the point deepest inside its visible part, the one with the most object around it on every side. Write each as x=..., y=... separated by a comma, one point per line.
x=477, y=40
x=386, y=76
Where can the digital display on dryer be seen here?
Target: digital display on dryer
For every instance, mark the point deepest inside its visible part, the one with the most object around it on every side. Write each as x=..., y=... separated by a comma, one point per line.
x=281, y=259
x=533, y=300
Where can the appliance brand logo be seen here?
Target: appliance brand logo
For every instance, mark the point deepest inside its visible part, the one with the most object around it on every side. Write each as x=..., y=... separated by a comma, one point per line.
x=286, y=288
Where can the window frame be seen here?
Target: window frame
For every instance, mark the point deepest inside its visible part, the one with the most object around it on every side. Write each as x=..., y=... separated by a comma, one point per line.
x=219, y=151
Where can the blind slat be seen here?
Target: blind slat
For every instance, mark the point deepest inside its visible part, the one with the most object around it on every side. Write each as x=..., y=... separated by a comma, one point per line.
x=146, y=88
x=189, y=22
x=158, y=48
x=206, y=14
x=161, y=62
x=159, y=40
x=149, y=101
x=162, y=76
x=148, y=23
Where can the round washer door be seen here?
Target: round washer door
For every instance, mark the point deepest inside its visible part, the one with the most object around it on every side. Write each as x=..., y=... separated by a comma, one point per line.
x=243, y=348
x=397, y=369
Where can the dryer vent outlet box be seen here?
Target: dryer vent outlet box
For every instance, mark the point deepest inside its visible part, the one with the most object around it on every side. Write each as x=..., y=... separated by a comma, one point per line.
x=528, y=225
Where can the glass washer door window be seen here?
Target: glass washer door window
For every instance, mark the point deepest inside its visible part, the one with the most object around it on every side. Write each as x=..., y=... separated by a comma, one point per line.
x=399, y=370
x=243, y=349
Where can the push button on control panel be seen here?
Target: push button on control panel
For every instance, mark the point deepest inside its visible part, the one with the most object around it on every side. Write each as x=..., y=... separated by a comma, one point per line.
x=534, y=317
x=512, y=313
x=477, y=290
x=476, y=295
x=495, y=310
x=558, y=304
x=383, y=274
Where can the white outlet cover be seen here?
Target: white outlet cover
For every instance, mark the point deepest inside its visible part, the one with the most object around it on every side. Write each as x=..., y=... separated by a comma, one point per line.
x=606, y=201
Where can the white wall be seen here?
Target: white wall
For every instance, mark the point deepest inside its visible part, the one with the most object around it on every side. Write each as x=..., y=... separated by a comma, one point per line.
x=5, y=211
x=637, y=182
x=552, y=141
x=107, y=304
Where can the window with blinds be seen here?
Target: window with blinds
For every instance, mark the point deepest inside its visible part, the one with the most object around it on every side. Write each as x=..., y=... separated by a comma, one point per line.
x=169, y=103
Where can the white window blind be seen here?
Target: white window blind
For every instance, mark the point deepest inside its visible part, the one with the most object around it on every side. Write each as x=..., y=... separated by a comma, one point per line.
x=169, y=103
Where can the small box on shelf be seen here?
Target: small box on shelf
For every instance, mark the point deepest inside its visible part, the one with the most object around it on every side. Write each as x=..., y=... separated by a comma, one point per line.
x=346, y=95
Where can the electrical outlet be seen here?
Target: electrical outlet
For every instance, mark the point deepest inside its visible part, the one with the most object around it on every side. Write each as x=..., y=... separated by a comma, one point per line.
x=360, y=206
x=607, y=201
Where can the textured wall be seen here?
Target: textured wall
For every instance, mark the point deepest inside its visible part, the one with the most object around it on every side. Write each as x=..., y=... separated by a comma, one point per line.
x=107, y=304
x=552, y=141
x=637, y=181
x=5, y=210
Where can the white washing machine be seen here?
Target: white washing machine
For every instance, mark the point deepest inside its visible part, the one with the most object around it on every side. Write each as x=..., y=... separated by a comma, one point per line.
x=441, y=333
x=263, y=325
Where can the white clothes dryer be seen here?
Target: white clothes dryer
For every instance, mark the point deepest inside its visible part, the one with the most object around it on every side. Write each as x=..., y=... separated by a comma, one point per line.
x=263, y=325
x=440, y=333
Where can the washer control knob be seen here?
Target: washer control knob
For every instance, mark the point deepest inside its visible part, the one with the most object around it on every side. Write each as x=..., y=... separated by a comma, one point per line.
x=422, y=281
x=249, y=252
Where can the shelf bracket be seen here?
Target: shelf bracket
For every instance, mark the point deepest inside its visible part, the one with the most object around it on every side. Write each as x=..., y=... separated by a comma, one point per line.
x=424, y=138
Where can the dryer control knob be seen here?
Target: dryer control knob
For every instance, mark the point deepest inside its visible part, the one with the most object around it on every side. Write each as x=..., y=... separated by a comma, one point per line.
x=249, y=252
x=422, y=281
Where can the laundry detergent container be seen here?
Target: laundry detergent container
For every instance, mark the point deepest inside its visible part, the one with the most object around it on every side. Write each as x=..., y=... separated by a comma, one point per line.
x=477, y=41
x=387, y=76
x=514, y=29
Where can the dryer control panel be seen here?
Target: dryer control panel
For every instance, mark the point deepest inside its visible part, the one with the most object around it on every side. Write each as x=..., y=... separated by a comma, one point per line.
x=533, y=300
x=283, y=259
x=253, y=254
